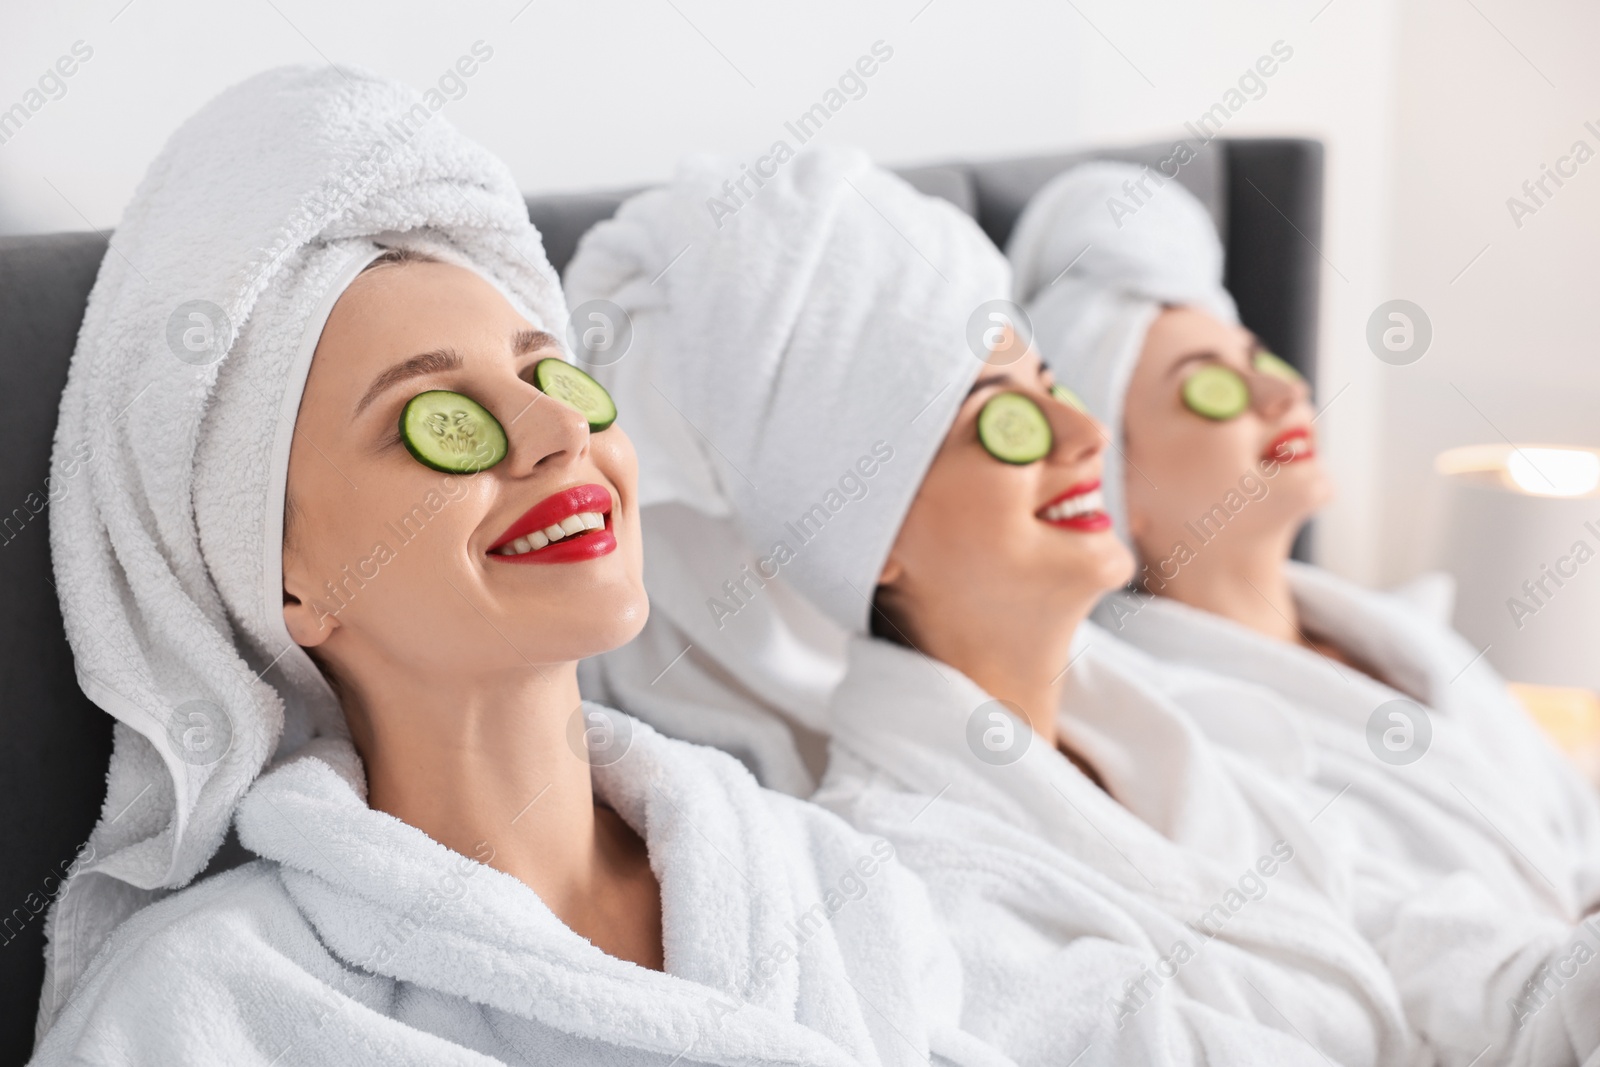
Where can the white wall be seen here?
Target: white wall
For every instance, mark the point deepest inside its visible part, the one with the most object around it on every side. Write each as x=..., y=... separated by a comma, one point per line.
x=1486, y=99
x=610, y=93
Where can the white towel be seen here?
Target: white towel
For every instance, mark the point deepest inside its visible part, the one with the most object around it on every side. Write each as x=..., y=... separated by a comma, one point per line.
x=1472, y=865
x=1069, y=906
x=793, y=368
x=167, y=545
x=356, y=938
x=1092, y=278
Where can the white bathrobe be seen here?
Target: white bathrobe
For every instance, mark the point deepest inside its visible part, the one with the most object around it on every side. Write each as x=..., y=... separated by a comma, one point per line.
x=1473, y=865
x=1071, y=910
x=356, y=938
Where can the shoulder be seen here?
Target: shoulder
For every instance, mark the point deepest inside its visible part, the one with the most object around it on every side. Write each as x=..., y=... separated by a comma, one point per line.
x=176, y=982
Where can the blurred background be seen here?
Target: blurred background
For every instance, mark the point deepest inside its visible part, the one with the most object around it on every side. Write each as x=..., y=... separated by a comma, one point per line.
x=1434, y=114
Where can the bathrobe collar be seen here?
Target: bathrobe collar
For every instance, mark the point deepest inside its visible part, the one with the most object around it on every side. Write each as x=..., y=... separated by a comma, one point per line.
x=1175, y=827
x=905, y=769
x=386, y=897
x=1455, y=776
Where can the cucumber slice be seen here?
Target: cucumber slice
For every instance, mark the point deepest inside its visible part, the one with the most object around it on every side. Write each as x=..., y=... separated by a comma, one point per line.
x=1267, y=363
x=570, y=385
x=1014, y=429
x=451, y=433
x=1216, y=392
x=1068, y=397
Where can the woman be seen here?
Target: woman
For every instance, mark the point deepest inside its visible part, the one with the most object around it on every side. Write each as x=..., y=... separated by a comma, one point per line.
x=928, y=491
x=1445, y=788
x=351, y=511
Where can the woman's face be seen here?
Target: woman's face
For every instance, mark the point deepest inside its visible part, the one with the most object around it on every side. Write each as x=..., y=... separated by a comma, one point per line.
x=1255, y=476
x=1028, y=540
x=387, y=564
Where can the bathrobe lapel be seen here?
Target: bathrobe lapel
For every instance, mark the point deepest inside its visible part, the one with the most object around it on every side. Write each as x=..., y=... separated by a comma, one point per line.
x=1456, y=807
x=902, y=721
x=384, y=896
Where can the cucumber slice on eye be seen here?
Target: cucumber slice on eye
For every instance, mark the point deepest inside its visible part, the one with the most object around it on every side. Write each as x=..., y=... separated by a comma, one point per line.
x=451, y=433
x=1268, y=363
x=1068, y=397
x=1216, y=392
x=570, y=385
x=1013, y=429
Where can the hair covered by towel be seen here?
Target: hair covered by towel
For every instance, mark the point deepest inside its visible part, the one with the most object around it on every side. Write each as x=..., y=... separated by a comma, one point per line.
x=184, y=388
x=797, y=365
x=1093, y=277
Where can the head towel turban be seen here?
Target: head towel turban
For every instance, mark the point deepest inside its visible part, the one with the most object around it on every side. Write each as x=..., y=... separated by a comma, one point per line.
x=784, y=348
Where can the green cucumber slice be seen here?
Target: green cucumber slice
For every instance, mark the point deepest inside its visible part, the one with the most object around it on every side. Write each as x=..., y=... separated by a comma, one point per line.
x=451, y=433
x=1068, y=397
x=1268, y=363
x=1013, y=429
x=1216, y=392
x=574, y=388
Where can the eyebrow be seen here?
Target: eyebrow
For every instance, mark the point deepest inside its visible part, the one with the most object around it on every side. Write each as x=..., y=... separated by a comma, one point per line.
x=441, y=360
x=1211, y=353
x=1001, y=379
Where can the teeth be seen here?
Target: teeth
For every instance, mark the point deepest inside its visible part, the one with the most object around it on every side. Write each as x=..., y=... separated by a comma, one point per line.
x=1295, y=446
x=584, y=520
x=1072, y=507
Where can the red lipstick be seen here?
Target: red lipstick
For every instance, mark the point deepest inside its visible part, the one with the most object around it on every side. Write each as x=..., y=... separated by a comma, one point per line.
x=1078, y=508
x=552, y=511
x=1291, y=446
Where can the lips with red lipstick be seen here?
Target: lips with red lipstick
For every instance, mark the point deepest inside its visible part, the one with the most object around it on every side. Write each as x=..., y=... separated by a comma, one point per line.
x=564, y=527
x=1291, y=446
x=1080, y=508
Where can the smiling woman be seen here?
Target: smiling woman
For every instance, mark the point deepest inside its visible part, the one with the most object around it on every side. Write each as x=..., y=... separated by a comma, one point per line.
x=459, y=860
x=1476, y=845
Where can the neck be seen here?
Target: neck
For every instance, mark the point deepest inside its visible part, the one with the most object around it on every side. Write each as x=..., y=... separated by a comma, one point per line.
x=1244, y=582
x=485, y=768
x=1023, y=665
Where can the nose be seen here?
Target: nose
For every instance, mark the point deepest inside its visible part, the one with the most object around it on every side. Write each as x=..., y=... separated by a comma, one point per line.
x=541, y=432
x=1271, y=397
x=1079, y=436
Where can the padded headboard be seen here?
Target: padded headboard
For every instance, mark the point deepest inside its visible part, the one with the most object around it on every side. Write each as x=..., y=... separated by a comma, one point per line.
x=1266, y=196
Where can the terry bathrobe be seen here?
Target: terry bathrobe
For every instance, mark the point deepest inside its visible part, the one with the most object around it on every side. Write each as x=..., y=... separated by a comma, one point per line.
x=1477, y=865
x=820, y=332
x=1471, y=866
x=355, y=938
x=1075, y=909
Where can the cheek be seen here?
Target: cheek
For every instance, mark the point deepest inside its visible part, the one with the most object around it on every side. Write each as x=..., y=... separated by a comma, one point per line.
x=966, y=507
x=1189, y=459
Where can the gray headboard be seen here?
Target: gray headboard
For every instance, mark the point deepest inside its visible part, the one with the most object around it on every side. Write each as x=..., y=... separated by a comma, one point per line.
x=1266, y=196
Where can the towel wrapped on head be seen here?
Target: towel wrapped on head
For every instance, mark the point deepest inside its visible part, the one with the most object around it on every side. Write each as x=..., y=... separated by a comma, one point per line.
x=795, y=365
x=1093, y=279
x=174, y=435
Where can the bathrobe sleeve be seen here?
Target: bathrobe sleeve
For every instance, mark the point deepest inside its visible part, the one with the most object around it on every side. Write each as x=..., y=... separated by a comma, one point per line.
x=883, y=918
x=994, y=903
x=1483, y=982
x=229, y=971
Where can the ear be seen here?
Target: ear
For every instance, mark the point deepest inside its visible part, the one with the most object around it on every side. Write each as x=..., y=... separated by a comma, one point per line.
x=308, y=625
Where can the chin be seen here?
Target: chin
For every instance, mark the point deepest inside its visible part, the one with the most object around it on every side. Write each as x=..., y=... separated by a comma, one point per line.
x=1101, y=564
